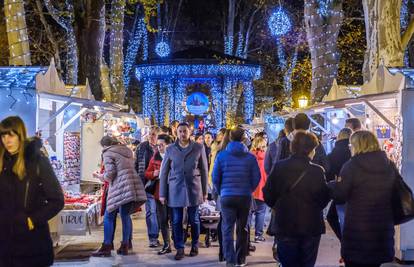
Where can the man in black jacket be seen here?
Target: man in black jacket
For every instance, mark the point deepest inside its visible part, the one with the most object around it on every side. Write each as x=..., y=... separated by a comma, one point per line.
x=302, y=122
x=144, y=153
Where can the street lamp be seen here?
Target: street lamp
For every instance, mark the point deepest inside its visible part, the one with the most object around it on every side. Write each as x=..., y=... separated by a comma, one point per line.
x=303, y=101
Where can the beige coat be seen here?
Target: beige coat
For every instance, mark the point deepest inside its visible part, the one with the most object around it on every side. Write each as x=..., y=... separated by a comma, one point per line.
x=124, y=183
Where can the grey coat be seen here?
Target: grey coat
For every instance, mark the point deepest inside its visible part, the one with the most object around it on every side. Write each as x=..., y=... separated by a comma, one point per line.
x=183, y=177
x=124, y=183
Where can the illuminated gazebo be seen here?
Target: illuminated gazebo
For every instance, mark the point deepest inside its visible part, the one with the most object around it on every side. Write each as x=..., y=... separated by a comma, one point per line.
x=165, y=82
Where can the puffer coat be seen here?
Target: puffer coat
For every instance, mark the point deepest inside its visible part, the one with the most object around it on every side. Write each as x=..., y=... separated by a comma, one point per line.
x=124, y=184
x=38, y=196
x=365, y=185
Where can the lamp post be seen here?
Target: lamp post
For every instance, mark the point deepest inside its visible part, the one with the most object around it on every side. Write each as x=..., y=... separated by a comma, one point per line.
x=303, y=101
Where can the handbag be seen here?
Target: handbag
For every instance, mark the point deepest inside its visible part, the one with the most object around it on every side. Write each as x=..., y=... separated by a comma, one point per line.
x=403, y=202
x=291, y=187
x=150, y=186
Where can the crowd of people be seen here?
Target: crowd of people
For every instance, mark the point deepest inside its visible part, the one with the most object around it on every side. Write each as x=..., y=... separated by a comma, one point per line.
x=176, y=171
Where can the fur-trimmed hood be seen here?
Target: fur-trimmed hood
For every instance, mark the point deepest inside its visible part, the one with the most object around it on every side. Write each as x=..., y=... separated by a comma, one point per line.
x=33, y=148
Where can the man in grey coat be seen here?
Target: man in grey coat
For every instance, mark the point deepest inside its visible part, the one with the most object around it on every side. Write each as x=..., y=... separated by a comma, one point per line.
x=183, y=183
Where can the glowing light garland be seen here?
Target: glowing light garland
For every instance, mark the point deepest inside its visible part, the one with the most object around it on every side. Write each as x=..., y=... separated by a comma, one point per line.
x=132, y=50
x=404, y=17
x=228, y=45
x=240, y=41
x=14, y=80
x=324, y=7
x=248, y=101
x=173, y=79
x=162, y=49
x=241, y=71
x=217, y=96
x=279, y=23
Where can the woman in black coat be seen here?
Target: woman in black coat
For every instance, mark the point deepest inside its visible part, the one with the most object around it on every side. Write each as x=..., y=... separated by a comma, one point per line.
x=298, y=223
x=365, y=185
x=30, y=195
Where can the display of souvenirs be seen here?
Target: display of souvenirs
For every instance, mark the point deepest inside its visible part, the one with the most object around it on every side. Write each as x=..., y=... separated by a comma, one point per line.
x=124, y=129
x=57, y=167
x=89, y=117
x=71, y=156
x=77, y=201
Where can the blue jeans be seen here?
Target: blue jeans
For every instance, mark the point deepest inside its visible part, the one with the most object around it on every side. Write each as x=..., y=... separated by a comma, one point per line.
x=109, y=222
x=177, y=226
x=151, y=218
x=260, y=214
x=235, y=211
x=340, y=210
x=294, y=252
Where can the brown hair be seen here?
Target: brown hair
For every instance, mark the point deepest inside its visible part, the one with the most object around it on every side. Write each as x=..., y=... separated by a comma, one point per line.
x=303, y=143
x=225, y=141
x=364, y=142
x=237, y=134
x=14, y=125
x=289, y=125
x=345, y=133
x=355, y=123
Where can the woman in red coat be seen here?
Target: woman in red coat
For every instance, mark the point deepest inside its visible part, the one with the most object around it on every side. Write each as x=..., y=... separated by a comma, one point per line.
x=152, y=173
x=258, y=150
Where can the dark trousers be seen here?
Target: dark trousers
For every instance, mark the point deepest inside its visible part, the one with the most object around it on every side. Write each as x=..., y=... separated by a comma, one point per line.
x=178, y=231
x=235, y=210
x=295, y=252
x=352, y=264
x=220, y=236
x=162, y=219
x=333, y=220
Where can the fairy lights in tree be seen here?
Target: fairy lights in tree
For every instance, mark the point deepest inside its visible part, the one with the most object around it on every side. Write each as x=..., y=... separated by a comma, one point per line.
x=279, y=22
x=65, y=20
x=139, y=39
x=248, y=101
x=323, y=19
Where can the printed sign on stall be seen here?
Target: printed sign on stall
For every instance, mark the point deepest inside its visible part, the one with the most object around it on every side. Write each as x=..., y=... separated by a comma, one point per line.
x=383, y=131
x=197, y=103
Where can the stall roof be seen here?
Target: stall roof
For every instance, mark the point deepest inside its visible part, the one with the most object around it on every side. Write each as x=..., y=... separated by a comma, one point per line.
x=19, y=78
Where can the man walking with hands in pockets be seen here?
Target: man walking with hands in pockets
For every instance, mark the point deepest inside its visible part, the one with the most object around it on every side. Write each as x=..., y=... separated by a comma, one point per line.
x=183, y=183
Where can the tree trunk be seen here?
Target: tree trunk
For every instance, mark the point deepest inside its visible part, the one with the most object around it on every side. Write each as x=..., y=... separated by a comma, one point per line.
x=72, y=47
x=322, y=34
x=116, y=50
x=17, y=33
x=90, y=28
x=49, y=34
x=229, y=34
x=383, y=34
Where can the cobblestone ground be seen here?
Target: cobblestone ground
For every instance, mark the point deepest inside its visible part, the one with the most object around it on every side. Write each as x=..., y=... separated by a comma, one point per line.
x=144, y=256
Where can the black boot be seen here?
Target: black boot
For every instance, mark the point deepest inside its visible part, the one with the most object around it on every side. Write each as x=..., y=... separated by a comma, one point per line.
x=194, y=252
x=103, y=251
x=180, y=254
x=123, y=249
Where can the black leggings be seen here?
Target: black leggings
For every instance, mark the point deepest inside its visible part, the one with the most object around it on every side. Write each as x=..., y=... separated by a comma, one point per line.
x=353, y=264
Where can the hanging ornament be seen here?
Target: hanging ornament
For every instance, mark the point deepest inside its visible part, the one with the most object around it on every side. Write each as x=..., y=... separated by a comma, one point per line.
x=162, y=49
x=279, y=23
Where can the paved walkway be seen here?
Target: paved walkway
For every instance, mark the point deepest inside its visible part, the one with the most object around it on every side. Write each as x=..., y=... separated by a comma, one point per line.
x=144, y=256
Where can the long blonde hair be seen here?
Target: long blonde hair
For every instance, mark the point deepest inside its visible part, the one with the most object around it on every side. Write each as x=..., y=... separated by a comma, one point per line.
x=14, y=124
x=364, y=142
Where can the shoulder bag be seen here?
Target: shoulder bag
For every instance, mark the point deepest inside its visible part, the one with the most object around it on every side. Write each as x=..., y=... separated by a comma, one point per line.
x=402, y=202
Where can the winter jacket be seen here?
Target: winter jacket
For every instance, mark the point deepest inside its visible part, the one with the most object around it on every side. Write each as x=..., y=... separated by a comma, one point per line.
x=183, y=177
x=124, y=183
x=272, y=155
x=38, y=196
x=365, y=184
x=143, y=156
x=337, y=158
x=299, y=212
x=236, y=171
x=154, y=165
x=260, y=157
x=319, y=158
